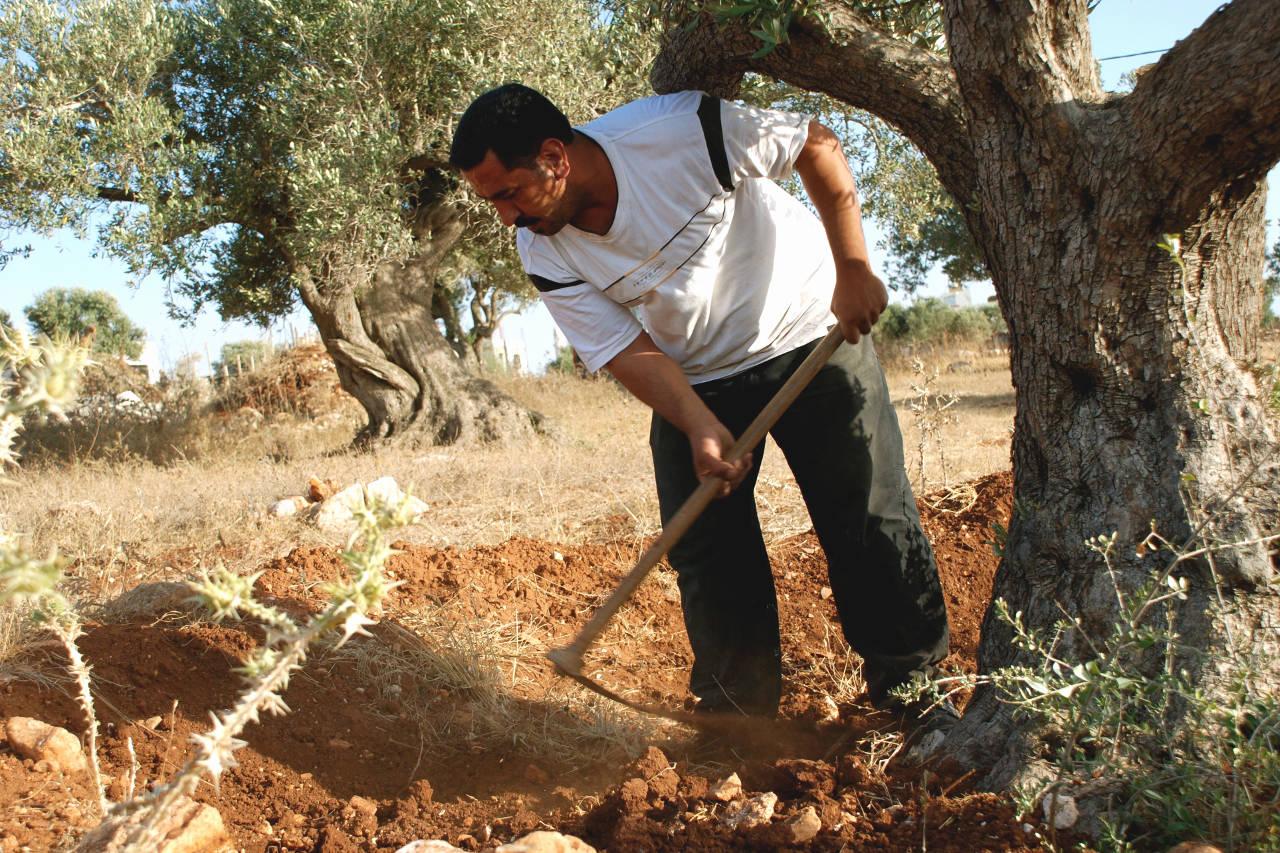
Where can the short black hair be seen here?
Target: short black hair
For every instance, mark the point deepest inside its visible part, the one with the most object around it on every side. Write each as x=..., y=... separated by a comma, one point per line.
x=512, y=121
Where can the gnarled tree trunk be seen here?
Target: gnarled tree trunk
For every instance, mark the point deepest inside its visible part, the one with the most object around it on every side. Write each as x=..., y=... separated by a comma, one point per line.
x=393, y=359
x=1131, y=411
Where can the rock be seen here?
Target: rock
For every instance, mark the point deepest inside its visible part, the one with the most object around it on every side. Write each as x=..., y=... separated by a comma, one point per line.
x=363, y=805
x=153, y=723
x=824, y=593
x=43, y=742
x=284, y=508
x=543, y=841
x=420, y=790
x=437, y=846
x=729, y=788
x=1194, y=847
x=189, y=827
x=1062, y=808
x=149, y=600
x=828, y=710
x=319, y=490
x=336, y=513
x=928, y=745
x=756, y=811
x=804, y=826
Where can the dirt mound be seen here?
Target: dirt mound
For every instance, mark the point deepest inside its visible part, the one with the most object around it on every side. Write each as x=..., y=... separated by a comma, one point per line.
x=298, y=381
x=350, y=767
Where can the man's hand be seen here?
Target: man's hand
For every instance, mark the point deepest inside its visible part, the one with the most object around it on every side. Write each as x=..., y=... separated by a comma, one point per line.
x=658, y=382
x=710, y=444
x=860, y=298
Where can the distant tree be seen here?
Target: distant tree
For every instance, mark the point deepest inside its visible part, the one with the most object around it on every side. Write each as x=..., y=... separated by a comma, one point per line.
x=78, y=313
x=242, y=355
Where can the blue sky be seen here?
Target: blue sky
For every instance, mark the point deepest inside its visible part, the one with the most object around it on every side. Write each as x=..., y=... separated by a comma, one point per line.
x=1119, y=27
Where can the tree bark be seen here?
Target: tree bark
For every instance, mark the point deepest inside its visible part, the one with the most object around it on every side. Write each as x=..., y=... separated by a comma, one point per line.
x=393, y=359
x=1131, y=411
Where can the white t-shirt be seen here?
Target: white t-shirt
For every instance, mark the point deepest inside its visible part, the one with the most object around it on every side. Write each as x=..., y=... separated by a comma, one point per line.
x=721, y=279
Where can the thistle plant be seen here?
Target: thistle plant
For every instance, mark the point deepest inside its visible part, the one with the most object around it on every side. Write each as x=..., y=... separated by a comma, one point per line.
x=283, y=650
x=42, y=378
x=1177, y=760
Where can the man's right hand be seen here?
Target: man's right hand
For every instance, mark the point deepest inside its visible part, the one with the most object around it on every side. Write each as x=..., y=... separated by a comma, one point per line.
x=710, y=445
x=658, y=382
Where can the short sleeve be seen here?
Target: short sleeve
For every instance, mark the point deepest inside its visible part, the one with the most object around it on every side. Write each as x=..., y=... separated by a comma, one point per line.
x=761, y=143
x=597, y=327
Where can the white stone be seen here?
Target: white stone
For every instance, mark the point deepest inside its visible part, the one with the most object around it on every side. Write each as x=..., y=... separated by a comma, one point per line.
x=830, y=710
x=824, y=593
x=804, y=826
x=1063, y=808
x=436, y=846
x=543, y=841
x=337, y=511
x=189, y=827
x=728, y=788
x=40, y=741
x=283, y=509
x=756, y=811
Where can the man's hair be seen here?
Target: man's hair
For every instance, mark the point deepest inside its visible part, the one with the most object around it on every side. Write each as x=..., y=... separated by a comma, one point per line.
x=512, y=121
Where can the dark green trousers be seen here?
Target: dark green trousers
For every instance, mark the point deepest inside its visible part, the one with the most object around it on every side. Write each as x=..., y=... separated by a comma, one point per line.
x=842, y=442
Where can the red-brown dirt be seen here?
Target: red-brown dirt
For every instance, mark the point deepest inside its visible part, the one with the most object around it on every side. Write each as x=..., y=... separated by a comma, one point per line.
x=347, y=738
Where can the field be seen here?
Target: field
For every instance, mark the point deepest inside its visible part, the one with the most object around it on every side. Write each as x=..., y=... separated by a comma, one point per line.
x=448, y=723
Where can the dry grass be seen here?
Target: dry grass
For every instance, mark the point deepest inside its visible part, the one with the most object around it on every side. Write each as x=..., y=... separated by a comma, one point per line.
x=128, y=522
x=471, y=685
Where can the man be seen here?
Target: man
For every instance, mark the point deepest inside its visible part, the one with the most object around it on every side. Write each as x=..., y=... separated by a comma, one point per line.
x=666, y=253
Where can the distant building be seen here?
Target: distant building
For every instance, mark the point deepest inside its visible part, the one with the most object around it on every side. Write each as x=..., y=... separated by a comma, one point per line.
x=957, y=296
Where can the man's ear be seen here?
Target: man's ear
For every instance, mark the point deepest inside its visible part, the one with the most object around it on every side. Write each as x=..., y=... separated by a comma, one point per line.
x=554, y=157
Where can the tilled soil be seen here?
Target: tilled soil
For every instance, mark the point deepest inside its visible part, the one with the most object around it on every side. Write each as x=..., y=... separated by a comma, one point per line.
x=354, y=767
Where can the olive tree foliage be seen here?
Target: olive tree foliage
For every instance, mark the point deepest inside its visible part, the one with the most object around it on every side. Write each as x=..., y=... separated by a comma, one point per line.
x=256, y=153
x=92, y=316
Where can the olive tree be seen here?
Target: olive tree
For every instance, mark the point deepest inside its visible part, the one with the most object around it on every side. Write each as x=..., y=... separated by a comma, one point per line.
x=77, y=313
x=1124, y=236
x=256, y=154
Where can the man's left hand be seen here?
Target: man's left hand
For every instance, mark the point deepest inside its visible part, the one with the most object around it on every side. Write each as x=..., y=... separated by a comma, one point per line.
x=859, y=300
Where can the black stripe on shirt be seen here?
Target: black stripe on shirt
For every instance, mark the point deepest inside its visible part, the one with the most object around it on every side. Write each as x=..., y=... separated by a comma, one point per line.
x=545, y=285
x=713, y=133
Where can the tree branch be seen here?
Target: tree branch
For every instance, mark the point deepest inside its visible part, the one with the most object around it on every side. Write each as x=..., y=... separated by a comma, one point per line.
x=1211, y=108
x=909, y=87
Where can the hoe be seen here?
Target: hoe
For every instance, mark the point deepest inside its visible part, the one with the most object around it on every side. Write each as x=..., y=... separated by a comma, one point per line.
x=568, y=659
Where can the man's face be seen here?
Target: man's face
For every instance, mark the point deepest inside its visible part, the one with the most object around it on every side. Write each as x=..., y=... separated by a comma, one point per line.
x=530, y=197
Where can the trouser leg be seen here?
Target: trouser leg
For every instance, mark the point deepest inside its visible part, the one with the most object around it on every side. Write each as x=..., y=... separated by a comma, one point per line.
x=842, y=442
x=726, y=587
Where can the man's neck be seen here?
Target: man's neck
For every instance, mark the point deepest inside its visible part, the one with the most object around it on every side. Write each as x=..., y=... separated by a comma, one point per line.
x=596, y=185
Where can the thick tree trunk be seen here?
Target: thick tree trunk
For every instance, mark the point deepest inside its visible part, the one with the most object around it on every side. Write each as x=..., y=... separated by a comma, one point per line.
x=1131, y=410
x=393, y=359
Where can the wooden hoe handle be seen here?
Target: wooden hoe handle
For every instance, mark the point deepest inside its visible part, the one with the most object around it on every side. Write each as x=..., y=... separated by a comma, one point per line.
x=569, y=658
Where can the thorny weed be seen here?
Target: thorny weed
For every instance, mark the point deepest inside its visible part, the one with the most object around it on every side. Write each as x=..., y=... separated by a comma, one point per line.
x=282, y=652
x=41, y=378
x=1110, y=718
x=932, y=413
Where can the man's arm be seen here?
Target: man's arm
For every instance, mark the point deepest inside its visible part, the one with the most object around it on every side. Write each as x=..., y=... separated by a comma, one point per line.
x=658, y=382
x=859, y=296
